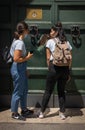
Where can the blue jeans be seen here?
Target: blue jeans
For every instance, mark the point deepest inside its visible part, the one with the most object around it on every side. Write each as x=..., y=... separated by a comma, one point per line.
x=20, y=84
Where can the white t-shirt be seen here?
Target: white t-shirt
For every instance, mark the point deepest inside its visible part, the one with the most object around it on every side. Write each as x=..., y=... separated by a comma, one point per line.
x=18, y=45
x=51, y=45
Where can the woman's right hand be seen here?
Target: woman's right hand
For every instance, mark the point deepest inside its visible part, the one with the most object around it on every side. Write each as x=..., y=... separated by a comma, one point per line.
x=29, y=55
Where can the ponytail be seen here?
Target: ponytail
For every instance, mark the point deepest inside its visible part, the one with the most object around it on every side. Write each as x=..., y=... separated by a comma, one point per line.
x=16, y=35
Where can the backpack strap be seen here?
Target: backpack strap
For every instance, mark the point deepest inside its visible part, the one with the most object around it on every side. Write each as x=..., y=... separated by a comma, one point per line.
x=57, y=43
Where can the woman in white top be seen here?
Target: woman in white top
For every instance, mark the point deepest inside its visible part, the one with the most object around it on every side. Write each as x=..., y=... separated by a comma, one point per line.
x=55, y=74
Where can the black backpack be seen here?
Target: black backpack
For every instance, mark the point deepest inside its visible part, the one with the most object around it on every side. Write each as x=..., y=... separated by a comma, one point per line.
x=7, y=56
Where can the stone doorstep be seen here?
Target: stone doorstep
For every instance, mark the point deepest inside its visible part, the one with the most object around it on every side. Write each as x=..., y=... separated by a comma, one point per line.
x=74, y=115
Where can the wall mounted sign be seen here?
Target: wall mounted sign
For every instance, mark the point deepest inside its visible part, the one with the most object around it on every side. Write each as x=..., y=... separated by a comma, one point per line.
x=34, y=13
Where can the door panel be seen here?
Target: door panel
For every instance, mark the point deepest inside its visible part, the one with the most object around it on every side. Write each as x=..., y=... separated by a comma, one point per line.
x=70, y=13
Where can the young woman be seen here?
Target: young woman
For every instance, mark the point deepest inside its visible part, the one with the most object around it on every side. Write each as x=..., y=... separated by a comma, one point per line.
x=18, y=72
x=55, y=74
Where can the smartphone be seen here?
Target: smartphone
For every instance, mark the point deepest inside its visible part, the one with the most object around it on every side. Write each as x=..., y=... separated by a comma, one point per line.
x=31, y=52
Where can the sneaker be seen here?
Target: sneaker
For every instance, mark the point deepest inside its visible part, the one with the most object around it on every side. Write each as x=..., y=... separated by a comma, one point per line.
x=41, y=115
x=17, y=116
x=27, y=112
x=62, y=116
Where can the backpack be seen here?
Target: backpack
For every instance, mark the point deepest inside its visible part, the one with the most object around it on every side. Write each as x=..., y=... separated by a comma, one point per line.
x=62, y=54
x=6, y=55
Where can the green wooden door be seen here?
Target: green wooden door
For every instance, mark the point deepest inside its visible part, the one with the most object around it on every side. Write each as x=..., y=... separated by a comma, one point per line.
x=72, y=15
x=44, y=14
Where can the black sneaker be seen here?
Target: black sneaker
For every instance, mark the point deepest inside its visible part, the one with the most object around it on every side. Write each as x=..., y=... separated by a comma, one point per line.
x=27, y=112
x=17, y=116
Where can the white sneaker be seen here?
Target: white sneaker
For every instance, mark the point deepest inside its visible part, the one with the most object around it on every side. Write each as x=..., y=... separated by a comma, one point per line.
x=62, y=116
x=41, y=115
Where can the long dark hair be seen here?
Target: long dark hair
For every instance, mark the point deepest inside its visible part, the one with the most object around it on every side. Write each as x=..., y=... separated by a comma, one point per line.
x=61, y=32
x=62, y=37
